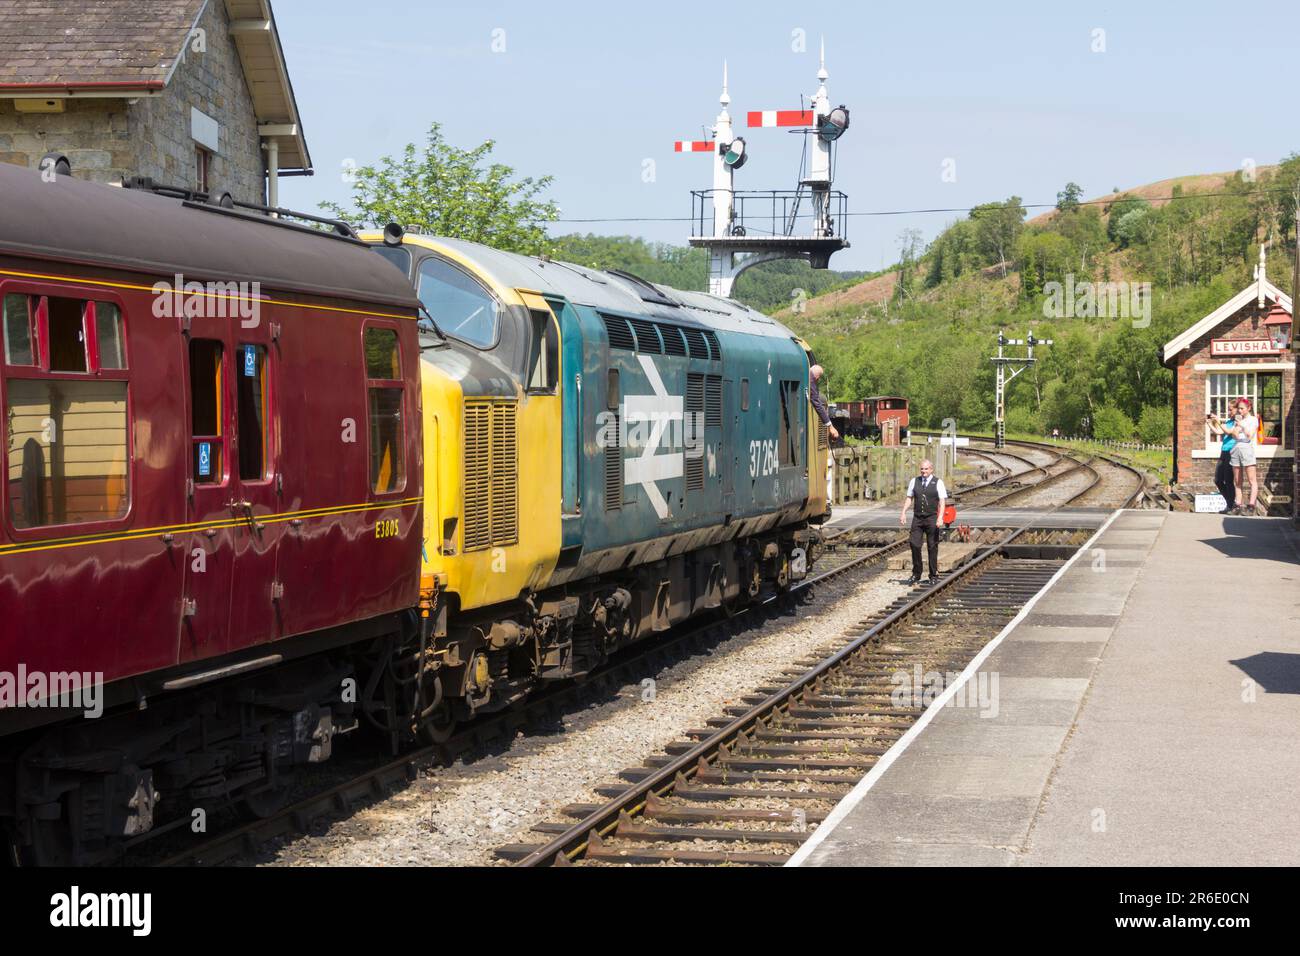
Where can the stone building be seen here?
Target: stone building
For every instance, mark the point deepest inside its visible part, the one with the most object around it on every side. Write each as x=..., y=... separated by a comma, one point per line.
x=1241, y=349
x=191, y=93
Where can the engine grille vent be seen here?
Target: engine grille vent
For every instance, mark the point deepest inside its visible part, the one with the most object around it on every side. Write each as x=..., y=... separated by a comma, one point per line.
x=491, y=489
x=713, y=400
x=674, y=344
x=647, y=339
x=620, y=336
x=614, y=471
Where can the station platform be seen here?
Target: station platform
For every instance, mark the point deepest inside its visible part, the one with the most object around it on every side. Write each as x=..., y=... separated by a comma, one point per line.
x=1145, y=712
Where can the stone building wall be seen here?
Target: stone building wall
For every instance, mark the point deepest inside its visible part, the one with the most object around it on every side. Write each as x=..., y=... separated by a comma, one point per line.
x=108, y=139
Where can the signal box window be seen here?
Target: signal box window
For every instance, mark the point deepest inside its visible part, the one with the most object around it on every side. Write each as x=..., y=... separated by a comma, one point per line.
x=251, y=404
x=207, y=433
x=459, y=305
x=384, y=388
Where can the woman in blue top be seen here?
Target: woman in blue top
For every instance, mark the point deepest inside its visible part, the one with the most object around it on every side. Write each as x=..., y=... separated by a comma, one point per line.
x=1224, y=479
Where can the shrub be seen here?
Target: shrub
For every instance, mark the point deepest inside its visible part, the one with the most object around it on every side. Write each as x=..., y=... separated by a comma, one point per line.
x=1156, y=425
x=1110, y=424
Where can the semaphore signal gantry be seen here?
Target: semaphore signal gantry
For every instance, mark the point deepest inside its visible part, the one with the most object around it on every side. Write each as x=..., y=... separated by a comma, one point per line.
x=742, y=229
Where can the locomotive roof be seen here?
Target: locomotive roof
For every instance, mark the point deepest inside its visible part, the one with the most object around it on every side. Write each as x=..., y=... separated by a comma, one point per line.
x=73, y=220
x=616, y=292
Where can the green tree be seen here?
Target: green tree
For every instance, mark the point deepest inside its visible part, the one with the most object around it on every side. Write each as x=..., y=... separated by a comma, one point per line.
x=1156, y=426
x=1110, y=424
x=997, y=227
x=1067, y=200
x=446, y=191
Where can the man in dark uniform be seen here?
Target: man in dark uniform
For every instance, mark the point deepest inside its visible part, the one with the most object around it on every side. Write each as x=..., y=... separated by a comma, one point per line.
x=819, y=403
x=926, y=496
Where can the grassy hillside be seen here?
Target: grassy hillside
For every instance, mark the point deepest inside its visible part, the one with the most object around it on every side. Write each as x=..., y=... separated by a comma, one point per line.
x=927, y=327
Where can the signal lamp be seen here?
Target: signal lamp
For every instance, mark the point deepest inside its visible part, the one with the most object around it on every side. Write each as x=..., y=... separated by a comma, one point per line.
x=832, y=126
x=733, y=154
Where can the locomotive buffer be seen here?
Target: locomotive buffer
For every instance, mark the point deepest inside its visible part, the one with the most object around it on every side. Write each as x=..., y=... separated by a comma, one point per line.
x=771, y=227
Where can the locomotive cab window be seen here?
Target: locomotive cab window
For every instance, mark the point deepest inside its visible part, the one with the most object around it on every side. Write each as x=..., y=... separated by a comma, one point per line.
x=461, y=306
x=543, y=354
x=790, y=408
x=384, y=389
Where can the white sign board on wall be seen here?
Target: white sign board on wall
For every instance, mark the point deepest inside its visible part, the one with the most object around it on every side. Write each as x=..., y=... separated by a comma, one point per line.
x=205, y=130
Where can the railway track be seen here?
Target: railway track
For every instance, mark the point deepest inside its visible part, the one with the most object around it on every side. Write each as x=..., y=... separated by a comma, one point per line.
x=749, y=787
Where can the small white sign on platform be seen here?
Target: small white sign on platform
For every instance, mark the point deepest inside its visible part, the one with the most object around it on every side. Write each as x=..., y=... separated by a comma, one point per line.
x=961, y=442
x=1210, y=503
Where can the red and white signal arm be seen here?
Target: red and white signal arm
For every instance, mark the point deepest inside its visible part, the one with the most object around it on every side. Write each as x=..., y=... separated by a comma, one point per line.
x=768, y=118
x=693, y=146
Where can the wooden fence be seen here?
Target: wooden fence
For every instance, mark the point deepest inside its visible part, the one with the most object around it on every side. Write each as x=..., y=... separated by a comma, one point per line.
x=862, y=473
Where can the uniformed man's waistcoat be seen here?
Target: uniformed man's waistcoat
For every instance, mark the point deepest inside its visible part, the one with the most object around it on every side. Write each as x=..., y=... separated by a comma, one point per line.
x=925, y=497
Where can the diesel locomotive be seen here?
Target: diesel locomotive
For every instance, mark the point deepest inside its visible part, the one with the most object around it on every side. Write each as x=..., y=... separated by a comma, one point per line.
x=266, y=482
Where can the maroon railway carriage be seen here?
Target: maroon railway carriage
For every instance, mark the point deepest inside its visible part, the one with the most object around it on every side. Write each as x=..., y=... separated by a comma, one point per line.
x=207, y=489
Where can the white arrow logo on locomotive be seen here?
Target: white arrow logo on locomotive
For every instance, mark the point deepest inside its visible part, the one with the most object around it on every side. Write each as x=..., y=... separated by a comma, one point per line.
x=660, y=409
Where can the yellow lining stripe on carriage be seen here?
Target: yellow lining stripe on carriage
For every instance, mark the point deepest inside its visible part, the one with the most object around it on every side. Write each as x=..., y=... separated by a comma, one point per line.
x=109, y=537
x=229, y=298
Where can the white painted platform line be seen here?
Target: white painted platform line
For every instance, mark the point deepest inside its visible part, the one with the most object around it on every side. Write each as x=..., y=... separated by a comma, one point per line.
x=854, y=796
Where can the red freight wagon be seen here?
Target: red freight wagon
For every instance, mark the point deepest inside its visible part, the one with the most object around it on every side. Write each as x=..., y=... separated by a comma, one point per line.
x=870, y=418
x=209, y=416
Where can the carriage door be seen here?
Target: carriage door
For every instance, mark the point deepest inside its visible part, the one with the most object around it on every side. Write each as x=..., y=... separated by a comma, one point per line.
x=255, y=477
x=210, y=542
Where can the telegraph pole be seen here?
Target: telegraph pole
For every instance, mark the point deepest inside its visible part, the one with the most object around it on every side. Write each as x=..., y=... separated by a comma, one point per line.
x=1008, y=367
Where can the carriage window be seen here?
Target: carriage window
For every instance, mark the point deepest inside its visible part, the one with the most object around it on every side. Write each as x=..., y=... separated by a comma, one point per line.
x=67, y=451
x=251, y=405
x=384, y=390
x=67, y=323
x=386, y=469
x=383, y=360
x=459, y=305
x=19, y=330
x=109, y=337
x=206, y=432
x=543, y=354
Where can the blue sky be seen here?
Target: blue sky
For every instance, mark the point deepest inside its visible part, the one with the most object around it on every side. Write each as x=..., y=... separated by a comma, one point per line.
x=1011, y=92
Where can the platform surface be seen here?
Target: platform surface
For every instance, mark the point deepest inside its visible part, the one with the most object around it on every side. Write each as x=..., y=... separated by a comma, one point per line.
x=1145, y=712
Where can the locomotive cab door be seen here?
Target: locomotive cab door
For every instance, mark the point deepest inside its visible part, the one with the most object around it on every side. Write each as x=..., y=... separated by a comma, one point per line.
x=571, y=395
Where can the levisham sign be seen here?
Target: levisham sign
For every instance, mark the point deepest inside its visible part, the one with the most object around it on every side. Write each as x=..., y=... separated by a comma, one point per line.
x=1243, y=347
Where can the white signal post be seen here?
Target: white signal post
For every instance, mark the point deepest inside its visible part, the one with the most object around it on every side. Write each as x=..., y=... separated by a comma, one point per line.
x=1006, y=372
x=732, y=249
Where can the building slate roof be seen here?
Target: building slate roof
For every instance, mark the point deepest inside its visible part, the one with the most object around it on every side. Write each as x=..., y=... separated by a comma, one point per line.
x=85, y=43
